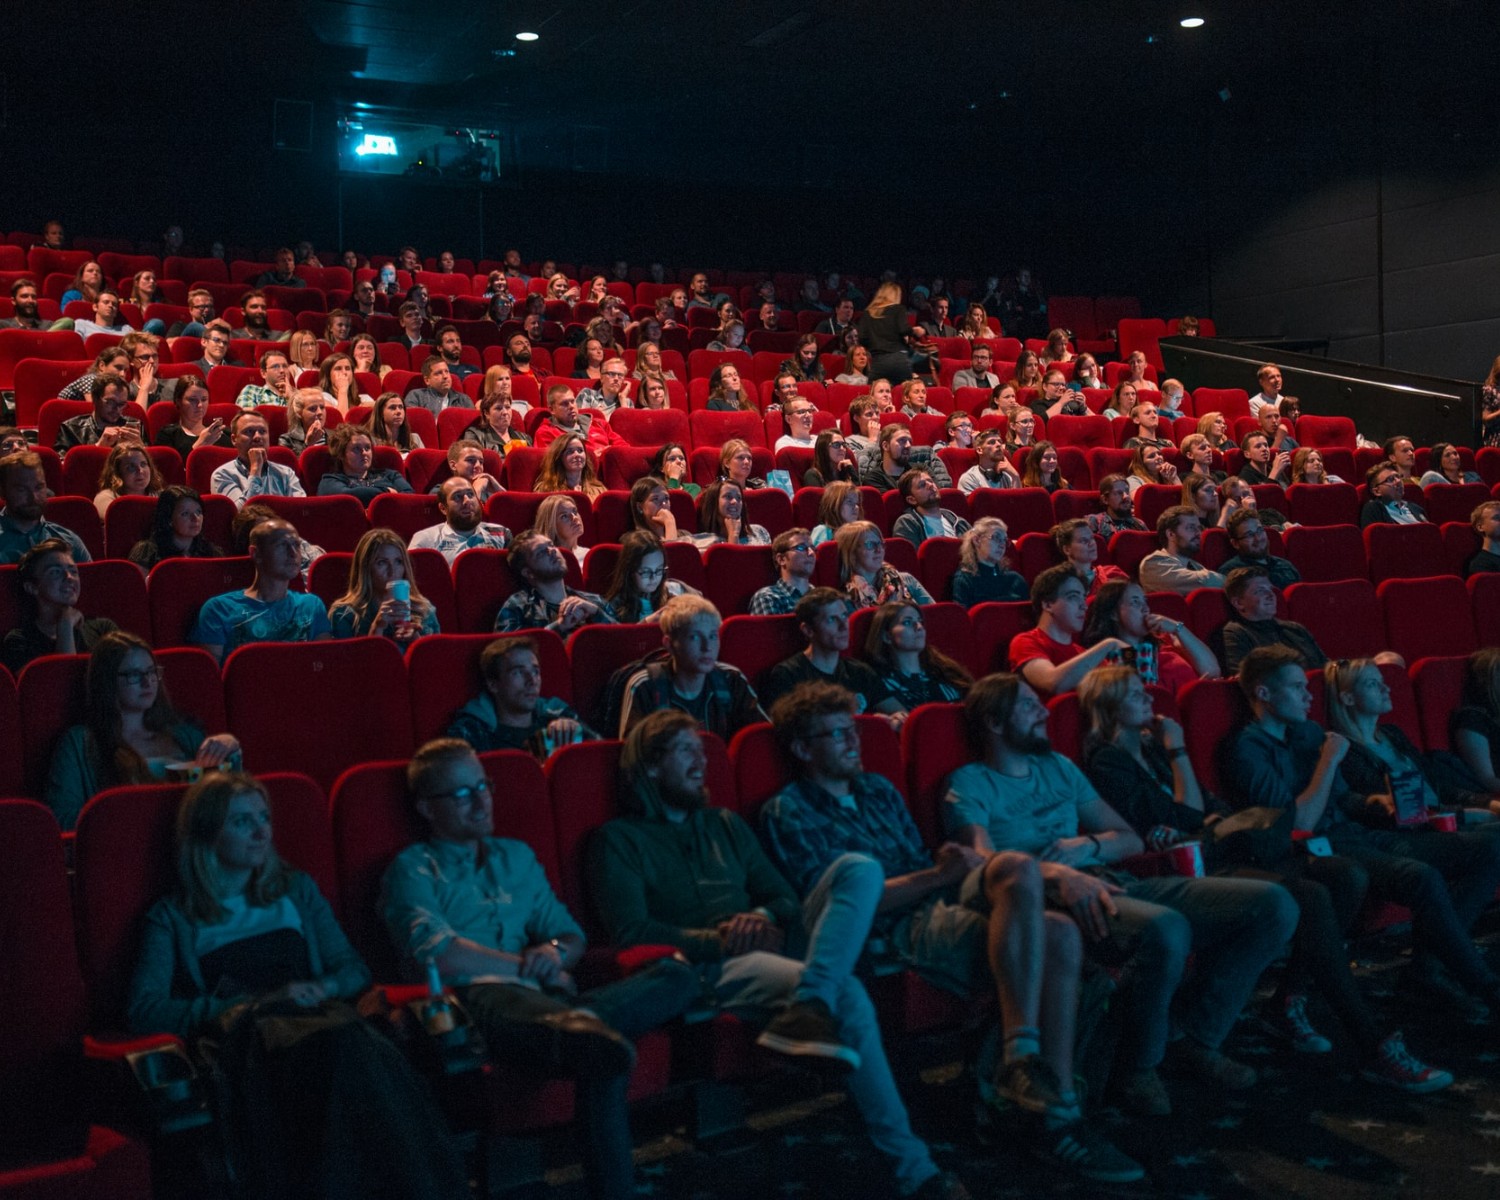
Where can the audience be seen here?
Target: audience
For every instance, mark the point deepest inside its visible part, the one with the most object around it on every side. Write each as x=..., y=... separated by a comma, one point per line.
x=1075, y=540
x=466, y=461
x=1387, y=503
x=462, y=527
x=1447, y=467
x=192, y=430
x=566, y=468
x=1252, y=548
x=1160, y=649
x=1485, y=521
x=558, y=518
x=107, y=424
x=48, y=589
x=911, y=669
x=268, y=610
x=352, y=449
x=389, y=424
x=251, y=472
x=1118, y=499
x=305, y=425
x=924, y=516
x=642, y=584
x=176, y=530
x=1173, y=568
x=983, y=573
x=128, y=471
x=510, y=713
x=1049, y=656
x=867, y=579
x=382, y=599
x=721, y=517
x=792, y=551
x=543, y=599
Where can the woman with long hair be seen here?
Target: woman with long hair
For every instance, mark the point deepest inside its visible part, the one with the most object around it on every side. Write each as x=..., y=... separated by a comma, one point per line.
x=303, y=351
x=737, y=464
x=867, y=579
x=1120, y=610
x=375, y=603
x=832, y=461
x=721, y=517
x=1446, y=465
x=911, y=670
x=588, y=360
x=1043, y=469
x=1028, y=370
x=1149, y=465
x=48, y=589
x=651, y=509
x=670, y=465
x=566, y=468
x=336, y=382
x=130, y=733
x=128, y=471
x=1489, y=408
x=1079, y=546
x=1057, y=348
x=144, y=290
x=1002, y=400
x=176, y=530
x=654, y=394
x=884, y=331
x=1474, y=727
x=304, y=420
x=856, y=367
x=1307, y=467
x=727, y=392
x=558, y=519
x=87, y=282
x=1201, y=494
x=642, y=585
x=976, y=323
x=841, y=504
x=805, y=363
x=983, y=572
x=1086, y=373
x=388, y=424
x=365, y=351
x=1215, y=428
x=1020, y=430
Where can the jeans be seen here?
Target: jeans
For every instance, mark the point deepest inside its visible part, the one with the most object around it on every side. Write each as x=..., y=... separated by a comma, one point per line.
x=1236, y=927
x=820, y=966
x=506, y=1012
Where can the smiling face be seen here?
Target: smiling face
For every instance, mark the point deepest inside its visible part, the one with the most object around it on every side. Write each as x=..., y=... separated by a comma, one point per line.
x=731, y=502
x=57, y=584
x=574, y=459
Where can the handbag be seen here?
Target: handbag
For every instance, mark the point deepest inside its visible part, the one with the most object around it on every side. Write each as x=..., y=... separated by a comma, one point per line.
x=1254, y=837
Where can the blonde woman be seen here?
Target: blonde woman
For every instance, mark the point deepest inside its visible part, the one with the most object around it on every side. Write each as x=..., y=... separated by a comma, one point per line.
x=866, y=577
x=382, y=600
x=884, y=331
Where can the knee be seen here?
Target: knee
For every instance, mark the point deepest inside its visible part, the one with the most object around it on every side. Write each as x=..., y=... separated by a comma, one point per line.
x=1427, y=883
x=1279, y=910
x=1015, y=874
x=1064, y=943
x=856, y=872
x=1167, y=939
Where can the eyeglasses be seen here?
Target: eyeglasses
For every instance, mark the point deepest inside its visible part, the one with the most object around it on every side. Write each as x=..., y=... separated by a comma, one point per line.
x=651, y=572
x=148, y=358
x=799, y=548
x=839, y=735
x=462, y=795
x=614, y=374
x=139, y=678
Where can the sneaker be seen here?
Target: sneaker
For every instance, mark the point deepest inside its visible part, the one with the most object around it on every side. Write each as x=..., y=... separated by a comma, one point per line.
x=1144, y=1094
x=1210, y=1066
x=942, y=1186
x=806, y=1028
x=1427, y=983
x=1395, y=1066
x=1086, y=1152
x=1288, y=1021
x=1028, y=1083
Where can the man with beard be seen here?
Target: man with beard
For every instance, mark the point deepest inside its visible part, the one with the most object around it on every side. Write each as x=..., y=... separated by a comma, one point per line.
x=254, y=306
x=200, y=306
x=883, y=464
x=461, y=527
x=518, y=354
x=106, y=316
x=1119, y=509
x=363, y=299
x=543, y=600
x=23, y=296
x=1173, y=567
x=450, y=345
x=107, y=424
x=23, y=487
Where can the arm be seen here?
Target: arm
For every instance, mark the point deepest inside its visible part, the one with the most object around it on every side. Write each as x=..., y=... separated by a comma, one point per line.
x=1474, y=749
x=617, y=880
x=908, y=526
x=150, y=1006
x=1192, y=648
x=342, y=973
x=1046, y=677
x=71, y=779
x=1185, y=789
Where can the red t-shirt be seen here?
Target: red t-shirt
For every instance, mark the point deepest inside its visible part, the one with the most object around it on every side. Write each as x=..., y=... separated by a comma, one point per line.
x=1173, y=671
x=1034, y=643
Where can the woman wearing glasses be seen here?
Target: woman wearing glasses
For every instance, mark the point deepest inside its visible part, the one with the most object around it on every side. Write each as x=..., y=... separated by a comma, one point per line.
x=642, y=585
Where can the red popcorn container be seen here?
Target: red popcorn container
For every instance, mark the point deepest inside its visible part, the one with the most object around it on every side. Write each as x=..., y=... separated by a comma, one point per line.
x=1443, y=822
x=1187, y=859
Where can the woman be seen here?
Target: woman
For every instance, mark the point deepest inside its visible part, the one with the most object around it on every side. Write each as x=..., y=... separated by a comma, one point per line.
x=1020, y=431
x=1057, y=350
x=1201, y=494
x=1446, y=467
x=1474, y=727
x=1136, y=372
x=1238, y=494
x=648, y=362
x=1215, y=428
x=336, y=382
x=864, y=574
x=354, y=473
x=832, y=460
x=558, y=518
x=1199, y=453
x=110, y=360
x=304, y=422
x=374, y=604
x=1002, y=400
x=365, y=351
x=1119, y=610
x=176, y=530
x=303, y=351
x=983, y=574
x=912, y=671
x=1028, y=370
x=85, y=286
x=730, y=336
x=856, y=367
x=566, y=468
x=721, y=517
x=1147, y=420
x=598, y=290
x=588, y=360
x=144, y=291
x=1076, y=541
x=841, y=504
x=670, y=464
x=558, y=288
x=494, y=430
x=654, y=394
x=191, y=430
x=1307, y=467
x=1149, y=465
x=726, y=393
x=1042, y=469
x=804, y=363
x=884, y=329
x=1121, y=401
x=736, y=462
x=128, y=471
x=641, y=585
x=1086, y=373
x=130, y=734
x=651, y=510
x=1489, y=412
x=48, y=586
x=976, y=323
x=388, y=424
x=247, y=959
x=1139, y=765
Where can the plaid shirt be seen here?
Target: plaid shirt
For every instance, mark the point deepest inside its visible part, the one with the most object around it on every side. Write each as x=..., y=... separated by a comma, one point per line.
x=1106, y=526
x=775, y=599
x=527, y=609
x=253, y=395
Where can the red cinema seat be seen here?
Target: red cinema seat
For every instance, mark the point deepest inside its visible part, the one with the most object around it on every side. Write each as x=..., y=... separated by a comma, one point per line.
x=1402, y=551
x=38, y=380
x=1484, y=604
x=1320, y=432
x=12, y=748
x=1427, y=618
x=933, y=745
x=522, y=466
x=596, y=652
x=1208, y=610
x=1213, y=711
x=755, y=644
x=1233, y=403
x=1343, y=616
x=445, y=675
x=79, y=515
x=115, y=588
x=1323, y=503
x=1438, y=685
x=333, y=522
x=1129, y=546
x=481, y=584
x=1153, y=499
x=178, y=587
x=1460, y=543
x=1453, y=501
x=651, y=427
x=713, y=429
x=621, y=466
x=260, y=679
x=1024, y=510
x=1323, y=553
x=1083, y=432
x=735, y=573
x=770, y=508
x=403, y=512
x=937, y=563
x=994, y=624
x=18, y=344
x=761, y=770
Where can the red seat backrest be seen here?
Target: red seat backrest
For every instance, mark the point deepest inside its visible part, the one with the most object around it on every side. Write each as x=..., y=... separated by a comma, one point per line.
x=1024, y=510
x=755, y=644
x=1438, y=685
x=994, y=624
x=1343, y=616
x=1213, y=710
x=481, y=584
x=443, y=675
x=12, y=748
x=1323, y=503
x=934, y=744
x=1426, y=618
x=1323, y=553
x=1401, y=551
x=178, y=587
x=333, y=522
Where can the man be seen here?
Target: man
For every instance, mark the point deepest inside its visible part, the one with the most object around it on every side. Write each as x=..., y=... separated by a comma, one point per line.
x=1278, y=433
x=23, y=487
x=1119, y=509
x=216, y=336
x=839, y=323
x=924, y=516
x=451, y=346
x=1173, y=397
x=200, y=306
x=479, y=909
x=977, y=373
x=1261, y=465
x=691, y=679
x=518, y=354
x=466, y=461
x=1146, y=418
x=283, y=274
x=1402, y=454
x=534, y=326
x=27, y=314
x=823, y=619
x=254, y=308
x=792, y=551
x=1252, y=548
x=409, y=260
x=784, y=390
x=54, y=237
x=146, y=387
x=107, y=425
x=413, y=327
x=106, y=316
x=883, y=464
x=1173, y=568
x=936, y=322
x=268, y=610
x=1269, y=377
x=948, y=915
x=437, y=391
x=613, y=390
x=809, y=299
x=1049, y=656
x=1252, y=595
x=698, y=294
x=1057, y=399
x=276, y=372
x=363, y=299
x=542, y=599
x=1388, y=504
x=251, y=472
x=1283, y=760
x=770, y=317
x=513, y=269
x=1486, y=522
x=462, y=527
x=510, y=713
x=755, y=948
x=563, y=417
x=993, y=469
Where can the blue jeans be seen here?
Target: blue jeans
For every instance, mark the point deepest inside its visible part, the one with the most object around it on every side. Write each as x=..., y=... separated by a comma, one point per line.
x=820, y=966
x=1236, y=927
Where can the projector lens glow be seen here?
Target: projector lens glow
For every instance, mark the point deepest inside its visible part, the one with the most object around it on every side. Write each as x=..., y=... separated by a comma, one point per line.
x=527, y=37
x=1191, y=22
x=376, y=143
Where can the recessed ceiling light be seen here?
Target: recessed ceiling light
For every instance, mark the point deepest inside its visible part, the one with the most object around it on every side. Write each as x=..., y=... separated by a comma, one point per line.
x=531, y=37
x=1191, y=22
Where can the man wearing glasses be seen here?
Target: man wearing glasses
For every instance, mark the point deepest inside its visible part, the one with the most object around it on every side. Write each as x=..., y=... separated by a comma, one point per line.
x=216, y=348
x=792, y=551
x=613, y=391
x=1387, y=504
x=200, y=306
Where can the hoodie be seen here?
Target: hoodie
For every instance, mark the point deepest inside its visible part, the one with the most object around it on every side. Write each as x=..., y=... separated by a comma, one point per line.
x=476, y=724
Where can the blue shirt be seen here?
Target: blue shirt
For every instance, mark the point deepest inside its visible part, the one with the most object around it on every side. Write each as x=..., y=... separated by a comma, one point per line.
x=1272, y=771
x=15, y=541
x=233, y=619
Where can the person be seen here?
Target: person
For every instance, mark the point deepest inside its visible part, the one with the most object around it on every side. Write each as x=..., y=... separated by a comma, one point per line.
x=1149, y=465
x=48, y=588
x=176, y=530
x=1201, y=494
x=823, y=619
x=1252, y=596
x=257, y=327
x=1043, y=469
x=885, y=463
x=374, y=604
x=1446, y=467
x=1474, y=726
x=670, y=464
x=982, y=573
x=1269, y=378
x=612, y=390
x=924, y=516
x=726, y=391
x=1177, y=657
x=804, y=363
x=106, y=316
x=107, y=424
x=798, y=411
x=338, y=386
x=910, y=668
x=450, y=347
x=283, y=273
x=1281, y=759
x=649, y=364
x=251, y=472
x=1489, y=406
x=25, y=310
x=840, y=504
x=1401, y=452
x=1199, y=453
x=352, y=449
x=1307, y=467
x=1076, y=541
x=462, y=527
x=650, y=509
x=128, y=471
x=864, y=422
x=543, y=599
x=690, y=678
x=992, y=468
x=494, y=430
x=856, y=365
x=1252, y=549
x=1049, y=656
x=978, y=372
x=1086, y=373
x=976, y=323
x=914, y=398
x=1021, y=795
x=884, y=331
x=1485, y=521
x=12, y=441
x=23, y=524
x=1172, y=567
x=839, y=323
x=466, y=460
x=947, y=915
x=1261, y=465
x=276, y=386
x=1118, y=499
x=1215, y=428
x=87, y=281
x=737, y=465
x=792, y=552
x=246, y=940
x=558, y=519
x=302, y=351
x=1387, y=503
x=365, y=351
x=1240, y=495
x=437, y=391
x=566, y=467
x=865, y=576
x=304, y=424
x=721, y=517
x=565, y=419
x=1172, y=397
x=1146, y=418
x=1055, y=398
x=1138, y=763
x=389, y=426
x=833, y=460
x=267, y=610
x=510, y=712
x=754, y=946
x=642, y=584
x=131, y=732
